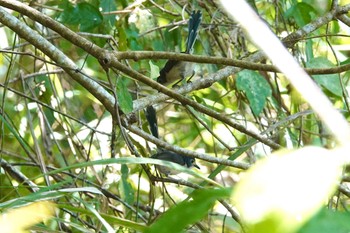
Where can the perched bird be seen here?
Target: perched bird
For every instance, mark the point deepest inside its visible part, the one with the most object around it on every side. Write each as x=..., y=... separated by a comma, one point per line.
x=176, y=71
x=164, y=154
x=168, y=155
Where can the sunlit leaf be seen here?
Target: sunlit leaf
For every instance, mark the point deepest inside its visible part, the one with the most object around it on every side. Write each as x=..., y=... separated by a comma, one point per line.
x=154, y=70
x=17, y=220
x=282, y=192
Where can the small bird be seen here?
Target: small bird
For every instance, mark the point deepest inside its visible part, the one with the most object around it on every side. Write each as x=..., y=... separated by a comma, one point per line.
x=175, y=158
x=164, y=154
x=176, y=71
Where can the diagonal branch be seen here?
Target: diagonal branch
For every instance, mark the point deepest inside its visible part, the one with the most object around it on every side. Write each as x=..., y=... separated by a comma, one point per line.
x=107, y=60
x=56, y=55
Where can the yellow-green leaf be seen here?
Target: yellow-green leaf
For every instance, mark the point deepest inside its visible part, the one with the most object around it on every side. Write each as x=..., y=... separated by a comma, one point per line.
x=282, y=192
x=17, y=220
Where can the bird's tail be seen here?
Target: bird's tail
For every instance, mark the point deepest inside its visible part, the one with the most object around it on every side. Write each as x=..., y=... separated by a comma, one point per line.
x=152, y=120
x=193, y=25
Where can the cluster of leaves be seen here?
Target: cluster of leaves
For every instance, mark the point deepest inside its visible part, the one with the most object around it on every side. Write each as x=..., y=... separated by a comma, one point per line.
x=60, y=137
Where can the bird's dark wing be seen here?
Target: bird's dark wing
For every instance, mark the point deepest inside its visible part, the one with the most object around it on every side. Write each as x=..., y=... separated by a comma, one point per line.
x=170, y=156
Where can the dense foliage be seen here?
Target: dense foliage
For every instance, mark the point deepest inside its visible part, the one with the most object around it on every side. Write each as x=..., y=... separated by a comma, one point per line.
x=76, y=77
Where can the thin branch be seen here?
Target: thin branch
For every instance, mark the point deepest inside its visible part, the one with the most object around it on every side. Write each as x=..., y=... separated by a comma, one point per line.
x=243, y=64
x=107, y=60
x=178, y=95
x=183, y=151
x=58, y=57
x=18, y=176
x=270, y=44
x=230, y=148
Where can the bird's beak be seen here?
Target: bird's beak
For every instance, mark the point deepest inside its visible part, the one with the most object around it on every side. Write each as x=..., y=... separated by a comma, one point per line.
x=195, y=165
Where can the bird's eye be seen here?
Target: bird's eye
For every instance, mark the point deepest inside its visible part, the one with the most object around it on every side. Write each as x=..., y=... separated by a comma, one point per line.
x=192, y=160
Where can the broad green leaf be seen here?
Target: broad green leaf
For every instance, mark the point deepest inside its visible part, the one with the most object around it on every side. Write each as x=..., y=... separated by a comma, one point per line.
x=302, y=13
x=124, y=97
x=83, y=14
x=279, y=194
x=108, y=6
x=329, y=81
x=327, y=221
x=132, y=37
x=255, y=87
x=178, y=217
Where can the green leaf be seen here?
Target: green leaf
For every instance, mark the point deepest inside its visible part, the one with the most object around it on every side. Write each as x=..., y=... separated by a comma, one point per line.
x=132, y=37
x=126, y=190
x=302, y=13
x=44, y=89
x=178, y=217
x=327, y=221
x=255, y=87
x=154, y=70
x=17, y=220
x=329, y=81
x=108, y=6
x=83, y=14
x=122, y=39
x=282, y=192
x=45, y=92
x=124, y=97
